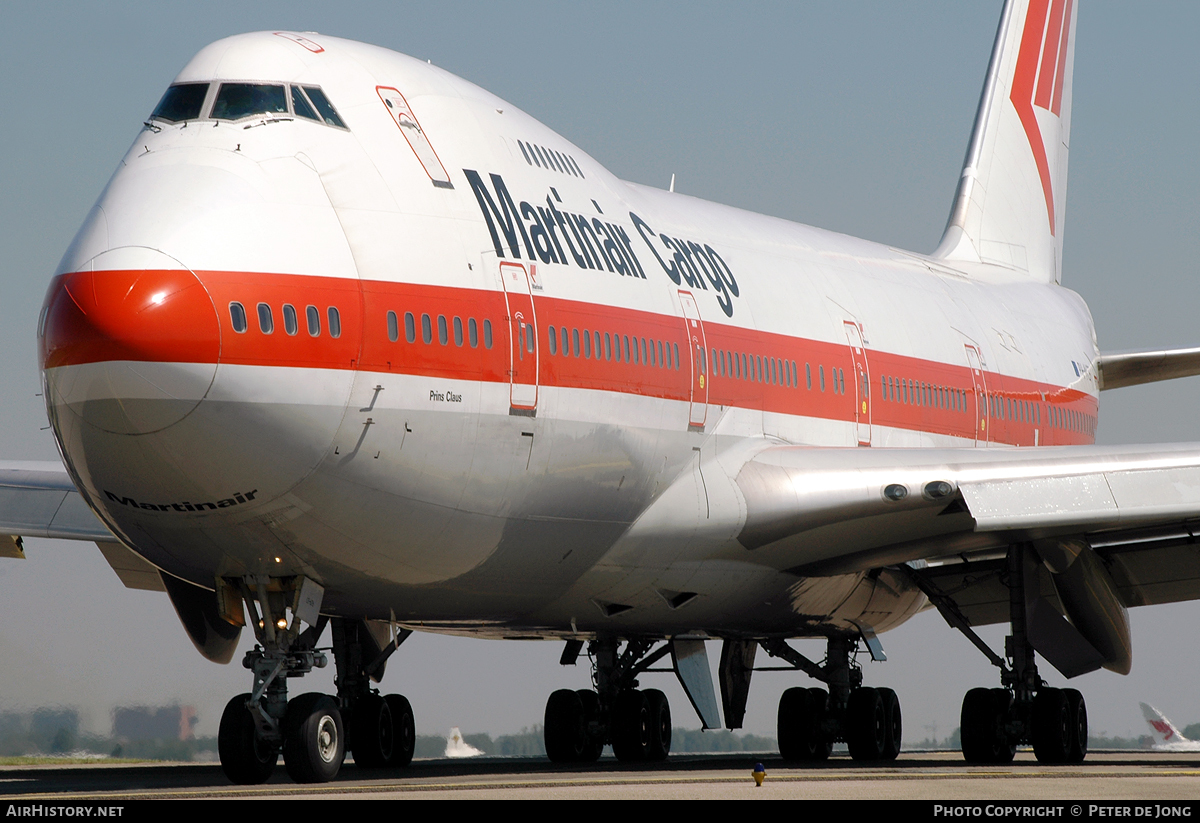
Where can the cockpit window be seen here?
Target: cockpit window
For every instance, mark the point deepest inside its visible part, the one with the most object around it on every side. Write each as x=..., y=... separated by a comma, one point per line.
x=301, y=106
x=237, y=100
x=181, y=102
x=328, y=113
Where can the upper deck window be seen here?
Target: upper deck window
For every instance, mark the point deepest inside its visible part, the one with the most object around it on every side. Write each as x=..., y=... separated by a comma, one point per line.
x=181, y=102
x=237, y=100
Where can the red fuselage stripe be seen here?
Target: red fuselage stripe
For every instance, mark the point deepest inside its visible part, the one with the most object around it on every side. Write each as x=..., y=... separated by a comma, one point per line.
x=1015, y=409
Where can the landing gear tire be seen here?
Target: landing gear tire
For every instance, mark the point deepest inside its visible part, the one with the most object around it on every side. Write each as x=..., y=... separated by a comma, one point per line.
x=314, y=741
x=404, y=730
x=801, y=712
x=565, y=729
x=245, y=759
x=660, y=725
x=867, y=725
x=1053, y=726
x=894, y=723
x=1079, y=726
x=631, y=726
x=372, y=736
x=982, y=726
x=591, y=721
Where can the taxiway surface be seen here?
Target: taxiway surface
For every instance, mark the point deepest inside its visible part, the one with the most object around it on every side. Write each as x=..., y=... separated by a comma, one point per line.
x=915, y=775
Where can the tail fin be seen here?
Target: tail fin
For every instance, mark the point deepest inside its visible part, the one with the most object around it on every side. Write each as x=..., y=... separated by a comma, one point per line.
x=1013, y=191
x=1164, y=730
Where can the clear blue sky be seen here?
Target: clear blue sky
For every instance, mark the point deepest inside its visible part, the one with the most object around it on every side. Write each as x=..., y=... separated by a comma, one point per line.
x=849, y=116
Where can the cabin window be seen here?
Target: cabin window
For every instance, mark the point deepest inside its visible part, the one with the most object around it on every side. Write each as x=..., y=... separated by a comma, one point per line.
x=266, y=323
x=410, y=327
x=473, y=333
x=335, y=322
x=587, y=345
x=314, y=320
x=426, y=329
x=443, y=331
x=290, y=324
x=575, y=342
x=237, y=316
x=393, y=327
x=487, y=334
x=552, y=335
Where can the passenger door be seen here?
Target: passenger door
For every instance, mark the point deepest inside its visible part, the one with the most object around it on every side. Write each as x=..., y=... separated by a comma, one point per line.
x=862, y=381
x=522, y=335
x=694, y=329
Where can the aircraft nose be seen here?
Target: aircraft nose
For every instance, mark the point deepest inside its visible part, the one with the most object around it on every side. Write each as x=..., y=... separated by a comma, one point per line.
x=131, y=344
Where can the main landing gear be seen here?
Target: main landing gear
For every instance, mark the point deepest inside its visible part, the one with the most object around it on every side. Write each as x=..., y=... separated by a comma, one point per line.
x=313, y=731
x=636, y=722
x=811, y=720
x=1025, y=710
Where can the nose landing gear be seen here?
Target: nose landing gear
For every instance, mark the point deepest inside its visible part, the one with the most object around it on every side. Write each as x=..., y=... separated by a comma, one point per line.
x=313, y=731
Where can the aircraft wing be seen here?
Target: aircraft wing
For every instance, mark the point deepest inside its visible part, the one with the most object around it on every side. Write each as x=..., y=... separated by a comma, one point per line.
x=948, y=516
x=38, y=499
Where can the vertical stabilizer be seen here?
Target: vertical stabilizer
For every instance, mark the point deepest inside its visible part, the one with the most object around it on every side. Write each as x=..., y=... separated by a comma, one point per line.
x=1164, y=731
x=1012, y=195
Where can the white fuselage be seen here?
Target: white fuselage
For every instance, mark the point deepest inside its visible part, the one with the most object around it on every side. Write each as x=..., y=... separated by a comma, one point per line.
x=471, y=474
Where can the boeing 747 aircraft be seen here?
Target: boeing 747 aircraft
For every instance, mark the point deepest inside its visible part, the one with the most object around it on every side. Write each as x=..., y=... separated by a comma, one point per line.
x=349, y=348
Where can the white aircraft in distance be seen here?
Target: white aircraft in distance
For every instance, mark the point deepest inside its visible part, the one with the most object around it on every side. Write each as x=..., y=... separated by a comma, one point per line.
x=349, y=341
x=1167, y=738
x=457, y=747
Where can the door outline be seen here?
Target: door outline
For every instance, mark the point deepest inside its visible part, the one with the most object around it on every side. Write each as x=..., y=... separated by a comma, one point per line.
x=693, y=329
x=862, y=381
x=523, y=349
x=405, y=120
x=980, y=421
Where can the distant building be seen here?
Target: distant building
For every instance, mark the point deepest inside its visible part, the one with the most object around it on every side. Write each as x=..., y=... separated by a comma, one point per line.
x=146, y=723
